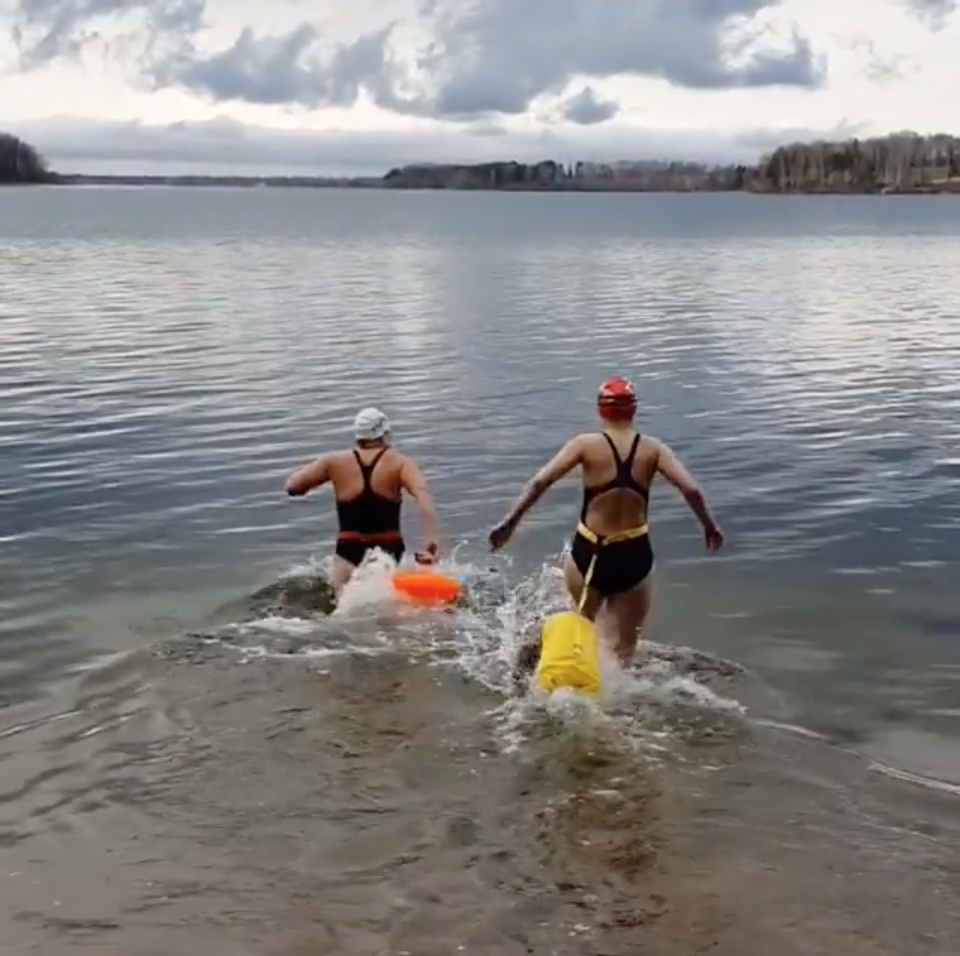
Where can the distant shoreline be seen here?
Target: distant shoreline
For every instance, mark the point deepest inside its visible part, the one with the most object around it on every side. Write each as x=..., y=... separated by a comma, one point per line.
x=946, y=188
x=899, y=164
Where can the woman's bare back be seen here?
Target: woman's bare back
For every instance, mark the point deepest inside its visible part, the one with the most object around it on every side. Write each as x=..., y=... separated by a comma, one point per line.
x=617, y=509
x=347, y=477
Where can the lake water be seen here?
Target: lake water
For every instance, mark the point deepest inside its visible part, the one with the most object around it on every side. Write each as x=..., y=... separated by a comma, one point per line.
x=194, y=757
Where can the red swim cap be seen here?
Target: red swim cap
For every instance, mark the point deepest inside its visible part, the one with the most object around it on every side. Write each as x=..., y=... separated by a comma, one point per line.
x=616, y=391
x=616, y=399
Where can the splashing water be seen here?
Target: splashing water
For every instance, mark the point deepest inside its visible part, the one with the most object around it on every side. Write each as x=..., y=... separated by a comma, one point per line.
x=649, y=702
x=369, y=589
x=480, y=640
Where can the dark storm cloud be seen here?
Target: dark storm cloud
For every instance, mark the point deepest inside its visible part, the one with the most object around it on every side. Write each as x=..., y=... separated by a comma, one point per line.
x=586, y=110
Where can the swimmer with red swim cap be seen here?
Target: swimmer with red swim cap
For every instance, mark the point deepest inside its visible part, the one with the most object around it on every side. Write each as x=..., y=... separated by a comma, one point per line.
x=611, y=557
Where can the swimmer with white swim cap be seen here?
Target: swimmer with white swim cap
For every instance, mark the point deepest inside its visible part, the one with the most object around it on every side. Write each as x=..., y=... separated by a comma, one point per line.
x=368, y=484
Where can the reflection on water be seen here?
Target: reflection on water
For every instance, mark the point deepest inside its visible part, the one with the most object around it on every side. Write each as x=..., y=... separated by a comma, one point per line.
x=197, y=753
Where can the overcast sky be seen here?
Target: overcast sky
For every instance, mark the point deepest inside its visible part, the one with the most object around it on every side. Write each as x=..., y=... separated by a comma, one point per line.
x=357, y=86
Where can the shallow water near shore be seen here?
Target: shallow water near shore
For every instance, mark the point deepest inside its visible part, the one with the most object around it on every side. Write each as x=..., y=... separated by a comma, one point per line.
x=196, y=754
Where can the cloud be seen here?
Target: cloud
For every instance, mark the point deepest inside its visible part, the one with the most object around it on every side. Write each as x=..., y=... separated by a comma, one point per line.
x=268, y=70
x=45, y=30
x=478, y=57
x=464, y=80
x=285, y=69
x=880, y=68
x=586, y=109
x=225, y=145
x=499, y=55
x=935, y=14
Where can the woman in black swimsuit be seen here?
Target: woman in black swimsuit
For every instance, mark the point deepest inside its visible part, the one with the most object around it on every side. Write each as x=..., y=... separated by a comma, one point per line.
x=368, y=483
x=611, y=555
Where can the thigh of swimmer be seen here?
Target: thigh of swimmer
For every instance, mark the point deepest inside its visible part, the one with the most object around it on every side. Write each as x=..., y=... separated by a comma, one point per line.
x=342, y=572
x=628, y=612
x=574, y=579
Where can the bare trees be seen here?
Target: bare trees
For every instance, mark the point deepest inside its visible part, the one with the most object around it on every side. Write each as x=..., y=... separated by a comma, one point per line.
x=625, y=176
x=901, y=162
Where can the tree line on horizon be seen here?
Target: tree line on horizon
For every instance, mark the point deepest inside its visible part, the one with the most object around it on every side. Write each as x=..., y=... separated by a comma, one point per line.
x=20, y=162
x=894, y=163
x=900, y=162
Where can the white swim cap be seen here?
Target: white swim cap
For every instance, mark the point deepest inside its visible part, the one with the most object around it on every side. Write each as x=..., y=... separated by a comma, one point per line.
x=370, y=424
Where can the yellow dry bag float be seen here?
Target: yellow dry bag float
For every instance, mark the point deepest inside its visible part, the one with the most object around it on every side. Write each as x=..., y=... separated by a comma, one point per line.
x=569, y=646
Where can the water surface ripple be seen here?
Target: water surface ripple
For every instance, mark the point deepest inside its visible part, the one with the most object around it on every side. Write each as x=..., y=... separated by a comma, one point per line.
x=166, y=356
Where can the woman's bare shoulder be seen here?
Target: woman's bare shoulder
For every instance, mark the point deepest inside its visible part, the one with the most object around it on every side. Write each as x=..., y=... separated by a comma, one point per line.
x=650, y=448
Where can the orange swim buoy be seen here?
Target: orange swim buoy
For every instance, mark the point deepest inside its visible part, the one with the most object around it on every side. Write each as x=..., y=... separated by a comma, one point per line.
x=427, y=587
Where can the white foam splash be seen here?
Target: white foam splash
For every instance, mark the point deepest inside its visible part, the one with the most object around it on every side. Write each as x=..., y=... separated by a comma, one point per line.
x=481, y=641
x=370, y=588
x=488, y=643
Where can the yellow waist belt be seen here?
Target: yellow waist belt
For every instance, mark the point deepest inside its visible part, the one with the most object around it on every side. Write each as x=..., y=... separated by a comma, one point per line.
x=569, y=651
x=629, y=535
